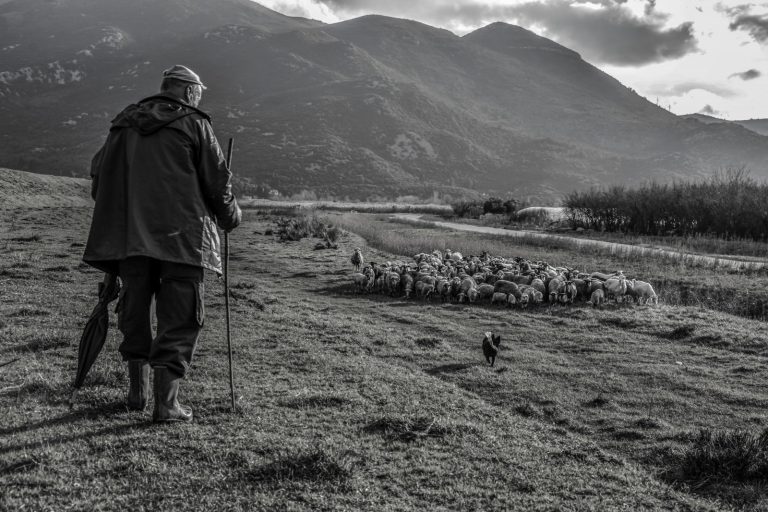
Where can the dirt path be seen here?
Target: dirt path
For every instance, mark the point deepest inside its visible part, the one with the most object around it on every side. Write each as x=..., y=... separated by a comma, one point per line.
x=610, y=247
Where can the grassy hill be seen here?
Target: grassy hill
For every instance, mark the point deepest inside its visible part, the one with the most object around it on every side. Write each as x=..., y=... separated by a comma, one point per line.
x=366, y=402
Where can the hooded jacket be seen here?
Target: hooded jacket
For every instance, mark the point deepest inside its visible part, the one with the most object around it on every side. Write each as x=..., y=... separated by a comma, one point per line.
x=161, y=184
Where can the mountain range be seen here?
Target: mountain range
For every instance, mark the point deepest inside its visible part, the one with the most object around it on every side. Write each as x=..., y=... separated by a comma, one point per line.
x=369, y=107
x=756, y=125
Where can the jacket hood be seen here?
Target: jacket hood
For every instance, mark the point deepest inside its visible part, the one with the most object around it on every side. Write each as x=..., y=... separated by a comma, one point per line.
x=153, y=113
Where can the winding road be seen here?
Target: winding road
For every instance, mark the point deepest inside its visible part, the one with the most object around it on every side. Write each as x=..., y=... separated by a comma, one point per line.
x=610, y=247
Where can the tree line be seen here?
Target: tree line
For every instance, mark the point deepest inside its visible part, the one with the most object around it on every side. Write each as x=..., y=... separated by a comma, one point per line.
x=730, y=204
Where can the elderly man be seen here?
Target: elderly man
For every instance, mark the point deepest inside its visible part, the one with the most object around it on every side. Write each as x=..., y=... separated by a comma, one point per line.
x=161, y=184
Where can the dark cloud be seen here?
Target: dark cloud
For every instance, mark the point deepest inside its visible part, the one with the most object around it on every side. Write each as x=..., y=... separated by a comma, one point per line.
x=609, y=34
x=756, y=26
x=650, y=5
x=749, y=74
x=709, y=111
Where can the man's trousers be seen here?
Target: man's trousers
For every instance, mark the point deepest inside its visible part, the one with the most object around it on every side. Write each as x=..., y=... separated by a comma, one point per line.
x=178, y=292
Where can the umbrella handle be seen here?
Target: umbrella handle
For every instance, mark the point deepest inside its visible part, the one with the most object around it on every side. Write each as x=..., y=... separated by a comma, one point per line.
x=226, y=289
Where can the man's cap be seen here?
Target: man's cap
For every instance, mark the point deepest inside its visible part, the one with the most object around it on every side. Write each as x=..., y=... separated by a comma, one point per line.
x=184, y=74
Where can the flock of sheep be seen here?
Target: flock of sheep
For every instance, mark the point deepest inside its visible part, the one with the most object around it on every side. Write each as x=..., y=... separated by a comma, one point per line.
x=452, y=277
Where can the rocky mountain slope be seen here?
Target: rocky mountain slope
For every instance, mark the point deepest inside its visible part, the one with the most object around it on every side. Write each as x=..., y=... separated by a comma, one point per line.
x=373, y=106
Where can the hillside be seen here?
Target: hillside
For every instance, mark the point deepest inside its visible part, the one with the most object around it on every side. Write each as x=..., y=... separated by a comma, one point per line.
x=759, y=126
x=23, y=189
x=373, y=106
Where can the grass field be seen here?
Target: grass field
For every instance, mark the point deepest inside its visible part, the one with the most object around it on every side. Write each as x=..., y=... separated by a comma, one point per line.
x=362, y=402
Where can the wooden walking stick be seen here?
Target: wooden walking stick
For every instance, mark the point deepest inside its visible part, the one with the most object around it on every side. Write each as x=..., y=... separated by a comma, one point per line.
x=226, y=288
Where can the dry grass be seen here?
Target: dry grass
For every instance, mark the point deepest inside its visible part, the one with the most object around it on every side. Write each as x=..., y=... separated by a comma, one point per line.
x=350, y=402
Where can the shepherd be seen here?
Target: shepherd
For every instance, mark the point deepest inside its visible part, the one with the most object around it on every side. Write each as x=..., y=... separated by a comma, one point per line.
x=161, y=184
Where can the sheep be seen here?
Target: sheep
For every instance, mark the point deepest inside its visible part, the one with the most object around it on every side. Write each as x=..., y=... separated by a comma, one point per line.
x=455, y=287
x=569, y=295
x=597, y=298
x=424, y=290
x=357, y=259
x=466, y=284
x=473, y=294
x=499, y=297
x=615, y=287
x=538, y=285
x=530, y=295
x=507, y=287
x=406, y=281
x=393, y=282
x=485, y=291
x=582, y=288
x=556, y=288
x=642, y=292
x=360, y=281
x=594, y=284
x=521, y=279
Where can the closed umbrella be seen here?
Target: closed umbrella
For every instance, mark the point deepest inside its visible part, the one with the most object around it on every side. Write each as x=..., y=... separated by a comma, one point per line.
x=95, y=332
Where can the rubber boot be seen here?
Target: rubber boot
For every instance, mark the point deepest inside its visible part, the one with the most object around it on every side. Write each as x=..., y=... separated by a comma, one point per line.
x=167, y=407
x=138, y=391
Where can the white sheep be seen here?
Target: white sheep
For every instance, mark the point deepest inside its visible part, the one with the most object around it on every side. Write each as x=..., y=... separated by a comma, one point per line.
x=597, y=298
x=360, y=281
x=357, y=259
x=642, y=292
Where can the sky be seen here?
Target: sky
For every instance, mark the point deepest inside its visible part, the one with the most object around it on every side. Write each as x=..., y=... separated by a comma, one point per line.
x=705, y=56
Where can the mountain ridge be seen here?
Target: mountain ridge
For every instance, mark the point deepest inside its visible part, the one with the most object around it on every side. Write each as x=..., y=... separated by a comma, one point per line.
x=369, y=107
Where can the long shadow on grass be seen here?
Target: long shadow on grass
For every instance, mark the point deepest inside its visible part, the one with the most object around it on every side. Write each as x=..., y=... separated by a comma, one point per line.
x=70, y=419
x=91, y=413
x=450, y=368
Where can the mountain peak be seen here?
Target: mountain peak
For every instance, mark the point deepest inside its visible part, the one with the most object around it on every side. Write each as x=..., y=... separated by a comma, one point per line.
x=512, y=39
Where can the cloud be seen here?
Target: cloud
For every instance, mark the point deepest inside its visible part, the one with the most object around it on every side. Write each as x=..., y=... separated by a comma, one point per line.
x=709, y=111
x=606, y=32
x=685, y=87
x=650, y=6
x=749, y=74
x=756, y=26
x=611, y=35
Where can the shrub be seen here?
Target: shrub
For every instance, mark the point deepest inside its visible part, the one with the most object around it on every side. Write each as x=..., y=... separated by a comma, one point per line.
x=730, y=205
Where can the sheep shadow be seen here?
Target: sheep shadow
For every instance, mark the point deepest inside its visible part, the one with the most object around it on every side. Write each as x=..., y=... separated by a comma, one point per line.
x=450, y=368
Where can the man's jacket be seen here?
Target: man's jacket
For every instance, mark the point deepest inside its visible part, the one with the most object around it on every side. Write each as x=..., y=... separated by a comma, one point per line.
x=160, y=183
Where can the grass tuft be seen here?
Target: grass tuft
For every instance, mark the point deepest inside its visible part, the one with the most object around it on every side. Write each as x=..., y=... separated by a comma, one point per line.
x=57, y=268
x=317, y=466
x=649, y=423
x=33, y=238
x=411, y=429
x=528, y=410
x=598, y=401
x=317, y=401
x=621, y=323
x=682, y=331
x=428, y=342
x=718, y=456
